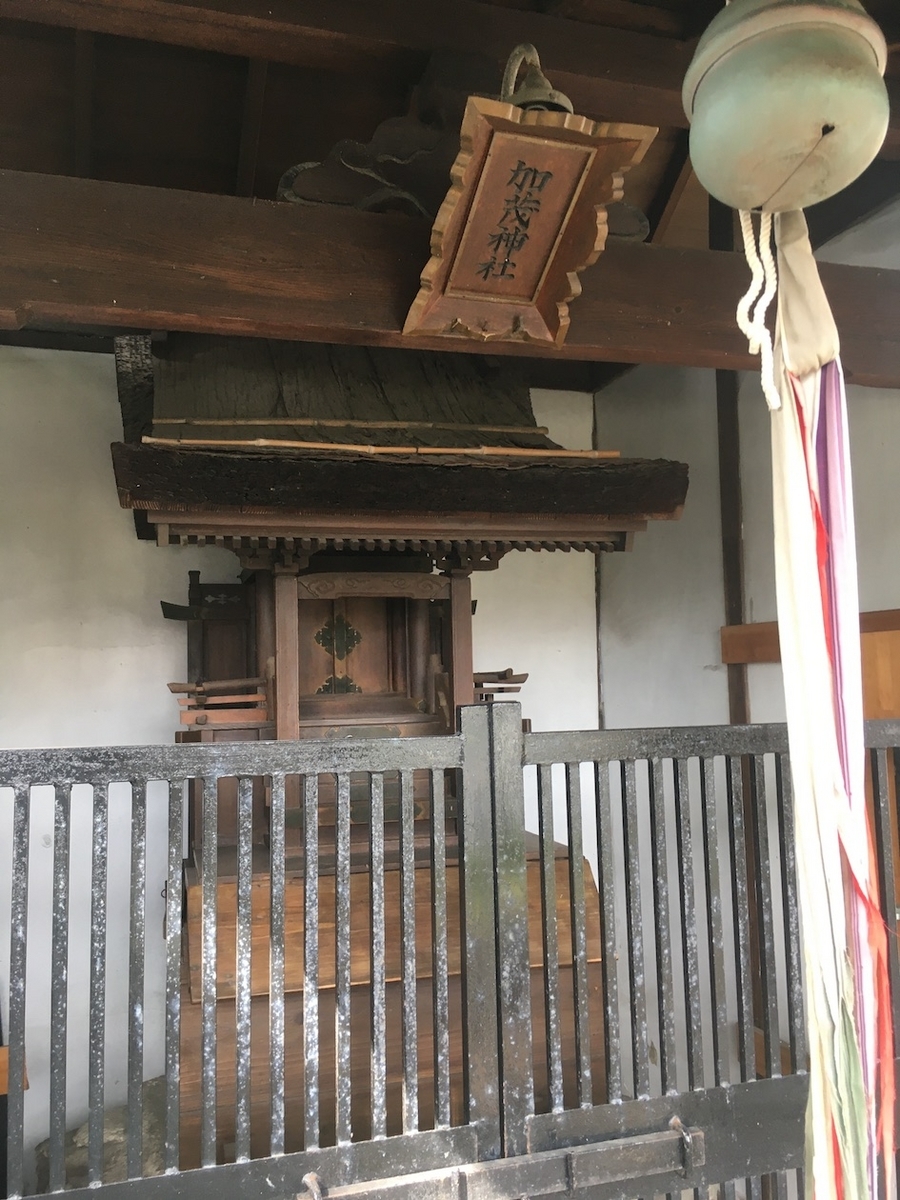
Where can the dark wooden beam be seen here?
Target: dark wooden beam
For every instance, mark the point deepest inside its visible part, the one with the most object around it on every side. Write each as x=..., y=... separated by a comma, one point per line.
x=41, y=339
x=671, y=188
x=731, y=500
x=95, y=256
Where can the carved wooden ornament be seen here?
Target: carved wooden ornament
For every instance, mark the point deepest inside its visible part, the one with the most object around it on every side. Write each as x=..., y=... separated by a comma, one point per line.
x=526, y=211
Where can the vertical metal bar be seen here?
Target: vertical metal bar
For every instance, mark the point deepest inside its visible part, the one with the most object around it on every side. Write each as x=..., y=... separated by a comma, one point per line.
x=689, y=937
x=310, y=967
x=276, y=965
x=18, y=943
x=796, y=1016
x=343, y=1083
x=134, y=1134
x=665, y=980
x=97, y=1002
x=174, y=901
x=510, y=873
x=378, y=1031
x=550, y=938
x=242, y=991
x=779, y=1189
x=209, y=873
x=59, y=986
x=640, y=1034
x=410, y=1089
x=766, y=905
x=714, y=920
x=606, y=866
x=741, y=907
x=439, y=953
x=478, y=907
x=575, y=819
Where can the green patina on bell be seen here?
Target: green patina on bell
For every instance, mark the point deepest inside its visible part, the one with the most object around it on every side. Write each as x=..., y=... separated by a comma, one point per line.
x=786, y=100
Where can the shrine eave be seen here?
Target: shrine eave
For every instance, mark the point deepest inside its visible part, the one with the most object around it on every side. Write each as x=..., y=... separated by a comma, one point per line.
x=263, y=501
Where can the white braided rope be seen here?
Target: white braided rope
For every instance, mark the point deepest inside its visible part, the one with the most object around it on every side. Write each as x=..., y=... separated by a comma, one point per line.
x=763, y=284
x=757, y=282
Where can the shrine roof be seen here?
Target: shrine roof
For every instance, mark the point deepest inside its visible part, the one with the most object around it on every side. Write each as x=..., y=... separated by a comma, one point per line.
x=331, y=498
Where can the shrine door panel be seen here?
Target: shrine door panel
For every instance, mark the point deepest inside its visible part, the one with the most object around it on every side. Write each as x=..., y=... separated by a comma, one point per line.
x=352, y=646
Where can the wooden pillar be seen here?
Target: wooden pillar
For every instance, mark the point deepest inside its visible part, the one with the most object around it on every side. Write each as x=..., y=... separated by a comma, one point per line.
x=419, y=626
x=287, y=656
x=400, y=637
x=265, y=620
x=461, y=668
x=731, y=508
x=265, y=636
x=721, y=237
x=194, y=632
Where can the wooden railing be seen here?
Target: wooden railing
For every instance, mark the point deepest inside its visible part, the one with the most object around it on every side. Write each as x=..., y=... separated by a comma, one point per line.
x=485, y=949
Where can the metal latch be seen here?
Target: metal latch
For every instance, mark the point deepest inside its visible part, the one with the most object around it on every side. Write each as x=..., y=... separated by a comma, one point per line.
x=687, y=1144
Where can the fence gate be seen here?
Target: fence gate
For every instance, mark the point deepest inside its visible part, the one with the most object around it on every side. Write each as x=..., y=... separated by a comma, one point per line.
x=667, y=1049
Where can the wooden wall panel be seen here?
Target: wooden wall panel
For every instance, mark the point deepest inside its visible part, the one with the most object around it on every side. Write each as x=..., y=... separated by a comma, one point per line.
x=166, y=116
x=881, y=674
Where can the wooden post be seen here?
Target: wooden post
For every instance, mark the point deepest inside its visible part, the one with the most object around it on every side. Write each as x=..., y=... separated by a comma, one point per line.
x=462, y=683
x=721, y=237
x=265, y=636
x=731, y=508
x=265, y=620
x=287, y=657
x=194, y=632
x=419, y=647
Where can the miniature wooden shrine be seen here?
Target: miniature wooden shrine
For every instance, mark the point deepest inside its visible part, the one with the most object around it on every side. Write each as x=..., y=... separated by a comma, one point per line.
x=359, y=490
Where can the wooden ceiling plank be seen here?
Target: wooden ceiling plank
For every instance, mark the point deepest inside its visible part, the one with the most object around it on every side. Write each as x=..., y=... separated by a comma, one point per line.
x=89, y=254
x=614, y=73
x=621, y=14
x=618, y=74
x=83, y=108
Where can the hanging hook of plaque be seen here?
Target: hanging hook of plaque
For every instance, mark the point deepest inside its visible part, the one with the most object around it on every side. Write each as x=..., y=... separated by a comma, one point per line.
x=535, y=90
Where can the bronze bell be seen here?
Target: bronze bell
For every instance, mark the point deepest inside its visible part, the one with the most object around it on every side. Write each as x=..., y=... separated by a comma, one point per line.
x=535, y=90
x=786, y=100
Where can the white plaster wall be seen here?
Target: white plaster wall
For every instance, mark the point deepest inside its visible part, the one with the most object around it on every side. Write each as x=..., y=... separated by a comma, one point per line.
x=661, y=605
x=85, y=657
x=536, y=612
x=874, y=430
